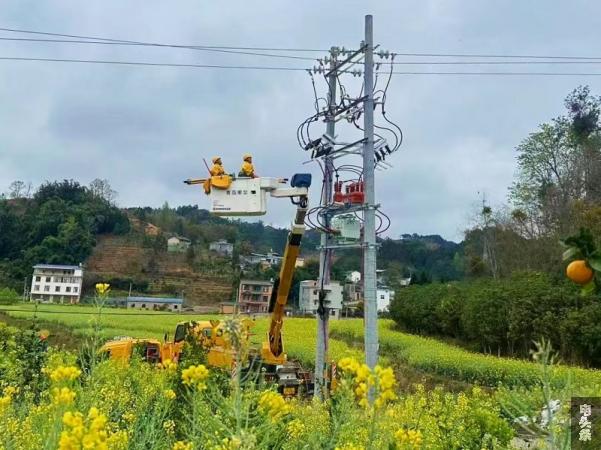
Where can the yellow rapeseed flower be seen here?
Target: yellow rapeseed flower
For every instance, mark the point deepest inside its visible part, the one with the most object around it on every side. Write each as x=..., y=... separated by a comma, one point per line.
x=168, y=365
x=128, y=417
x=181, y=445
x=295, y=428
x=409, y=437
x=63, y=373
x=274, y=405
x=89, y=433
x=62, y=396
x=350, y=446
x=11, y=390
x=195, y=376
x=102, y=288
x=169, y=427
x=169, y=394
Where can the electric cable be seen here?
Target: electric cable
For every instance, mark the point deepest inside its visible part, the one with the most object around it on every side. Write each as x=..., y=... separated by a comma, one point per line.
x=151, y=64
x=123, y=41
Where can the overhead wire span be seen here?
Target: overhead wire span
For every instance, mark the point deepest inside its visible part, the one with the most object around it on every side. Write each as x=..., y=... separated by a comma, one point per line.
x=151, y=64
x=488, y=55
x=148, y=44
x=542, y=74
x=124, y=41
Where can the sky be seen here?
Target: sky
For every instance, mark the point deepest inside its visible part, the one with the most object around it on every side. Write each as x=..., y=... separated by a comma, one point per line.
x=146, y=129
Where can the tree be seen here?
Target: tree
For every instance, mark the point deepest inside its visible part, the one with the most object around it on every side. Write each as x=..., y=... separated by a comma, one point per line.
x=559, y=165
x=102, y=189
x=19, y=189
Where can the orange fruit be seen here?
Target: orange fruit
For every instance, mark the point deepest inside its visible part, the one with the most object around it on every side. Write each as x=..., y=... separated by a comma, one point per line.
x=579, y=272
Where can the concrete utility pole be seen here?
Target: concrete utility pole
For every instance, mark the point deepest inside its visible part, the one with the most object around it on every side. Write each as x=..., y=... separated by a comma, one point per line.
x=325, y=253
x=369, y=226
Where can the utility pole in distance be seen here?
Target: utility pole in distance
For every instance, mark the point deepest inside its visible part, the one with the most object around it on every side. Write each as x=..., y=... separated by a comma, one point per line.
x=369, y=226
x=325, y=253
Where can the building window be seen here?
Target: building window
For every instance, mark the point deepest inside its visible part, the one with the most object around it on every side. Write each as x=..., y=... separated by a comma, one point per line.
x=46, y=288
x=75, y=289
x=47, y=279
x=332, y=312
x=265, y=298
x=36, y=287
x=382, y=297
x=174, y=306
x=144, y=305
x=68, y=289
x=38, y=278
x=57, y=289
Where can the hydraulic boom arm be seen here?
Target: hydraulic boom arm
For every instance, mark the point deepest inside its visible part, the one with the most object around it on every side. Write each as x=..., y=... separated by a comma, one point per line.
x=272, y=351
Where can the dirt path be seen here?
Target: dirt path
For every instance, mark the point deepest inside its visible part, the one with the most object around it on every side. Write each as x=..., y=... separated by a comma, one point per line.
x=58, y=337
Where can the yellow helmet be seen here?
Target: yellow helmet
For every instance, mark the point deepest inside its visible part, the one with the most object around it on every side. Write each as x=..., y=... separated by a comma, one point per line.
x=247, y=156
x=216, y=158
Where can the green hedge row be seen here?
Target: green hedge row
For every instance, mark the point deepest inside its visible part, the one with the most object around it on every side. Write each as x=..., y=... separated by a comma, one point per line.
x=504, y=317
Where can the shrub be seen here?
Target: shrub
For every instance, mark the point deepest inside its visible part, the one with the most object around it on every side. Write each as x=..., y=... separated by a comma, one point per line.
x=505, y=316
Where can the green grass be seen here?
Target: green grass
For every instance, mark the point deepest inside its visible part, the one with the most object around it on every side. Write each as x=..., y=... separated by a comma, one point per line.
x=426, y=355
x=299, y=334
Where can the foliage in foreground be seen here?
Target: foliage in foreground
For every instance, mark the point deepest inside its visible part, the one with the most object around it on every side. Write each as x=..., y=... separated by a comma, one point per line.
x=138, y=406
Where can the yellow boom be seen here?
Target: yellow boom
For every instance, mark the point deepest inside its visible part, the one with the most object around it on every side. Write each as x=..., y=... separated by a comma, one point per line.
x=272, y=351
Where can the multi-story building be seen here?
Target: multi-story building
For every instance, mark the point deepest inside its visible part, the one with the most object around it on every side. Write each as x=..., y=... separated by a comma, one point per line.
x=254, y=295
x=56, y=283
x=308, y=297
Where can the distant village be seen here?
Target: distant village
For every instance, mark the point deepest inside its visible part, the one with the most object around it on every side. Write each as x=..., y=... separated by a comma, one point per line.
x=62, y=283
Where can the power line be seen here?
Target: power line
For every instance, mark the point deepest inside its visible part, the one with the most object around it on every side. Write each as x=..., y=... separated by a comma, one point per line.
x=88, y=39
x=480, y=55
x=148, y=44
x=151, y=64
x=477, y=63
x=551, y=74
x=215, y=47
x=277, y=68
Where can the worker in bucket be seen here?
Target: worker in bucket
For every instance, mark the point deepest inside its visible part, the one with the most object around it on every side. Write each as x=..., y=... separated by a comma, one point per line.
x=247, y=170
x=217, y=168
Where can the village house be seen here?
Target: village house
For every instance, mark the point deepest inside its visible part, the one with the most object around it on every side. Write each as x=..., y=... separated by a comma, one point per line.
x=56, y=283
x=178, y=244
x=254, y=295
x=222, y=247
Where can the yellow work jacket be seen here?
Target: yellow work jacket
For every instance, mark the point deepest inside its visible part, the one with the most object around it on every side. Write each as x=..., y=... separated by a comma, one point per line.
x=217, y=170
x=247, y=170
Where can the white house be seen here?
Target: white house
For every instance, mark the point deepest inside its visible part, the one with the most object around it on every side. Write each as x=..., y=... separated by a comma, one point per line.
x=354, y=276
x=178, y=244
x=308, y=298
x=222, y=247
x=268, y=259
x=56, y=283
x=384, y=297
x=155, y=303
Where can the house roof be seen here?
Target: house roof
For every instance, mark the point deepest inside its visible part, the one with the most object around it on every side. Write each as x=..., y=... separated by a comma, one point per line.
x=180, y=238
x=259, y=282
x=176, y=301
x=57, y=266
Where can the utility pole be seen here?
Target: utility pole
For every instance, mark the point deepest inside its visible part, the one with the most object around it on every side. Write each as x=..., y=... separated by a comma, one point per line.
x=325, y=253
x=369, y=226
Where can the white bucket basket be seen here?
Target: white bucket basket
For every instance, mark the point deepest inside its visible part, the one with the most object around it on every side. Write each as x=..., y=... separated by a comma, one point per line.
x=244, y=197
